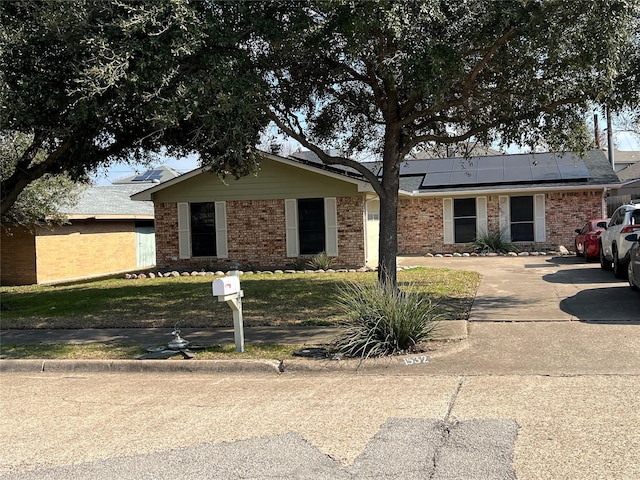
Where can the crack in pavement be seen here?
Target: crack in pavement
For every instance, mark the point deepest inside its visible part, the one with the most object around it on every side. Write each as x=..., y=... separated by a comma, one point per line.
x=473, y=449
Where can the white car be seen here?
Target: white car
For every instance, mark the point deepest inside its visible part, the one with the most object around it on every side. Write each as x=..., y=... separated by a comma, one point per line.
x=614, y=247
x=634, y=263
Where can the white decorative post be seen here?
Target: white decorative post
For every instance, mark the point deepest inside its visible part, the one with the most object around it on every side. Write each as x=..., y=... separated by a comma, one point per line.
x=227, y=289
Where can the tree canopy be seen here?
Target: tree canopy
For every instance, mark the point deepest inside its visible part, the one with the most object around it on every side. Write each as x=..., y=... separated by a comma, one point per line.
x=43, y=201
x=95, y=81
x=384, y=78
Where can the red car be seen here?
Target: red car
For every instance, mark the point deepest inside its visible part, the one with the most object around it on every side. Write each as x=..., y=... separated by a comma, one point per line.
x=586, y=241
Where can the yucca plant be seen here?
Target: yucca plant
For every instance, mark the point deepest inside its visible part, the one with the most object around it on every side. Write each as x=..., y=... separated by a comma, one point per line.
x=381, y=320
x=321, y=261
x=493, y=242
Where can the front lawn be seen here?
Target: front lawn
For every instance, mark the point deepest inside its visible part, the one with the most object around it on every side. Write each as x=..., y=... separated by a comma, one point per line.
x=269, y=299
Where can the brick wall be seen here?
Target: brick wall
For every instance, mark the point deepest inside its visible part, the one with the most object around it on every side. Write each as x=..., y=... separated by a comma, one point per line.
x=420, y=227
x=166, y=219
x=568, y=211
x=85, y=249
x=256, y=235
x=18, y=257
x=420, y=223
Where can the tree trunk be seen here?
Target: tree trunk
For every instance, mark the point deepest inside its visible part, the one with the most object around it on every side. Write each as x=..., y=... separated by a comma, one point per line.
x=388, y=243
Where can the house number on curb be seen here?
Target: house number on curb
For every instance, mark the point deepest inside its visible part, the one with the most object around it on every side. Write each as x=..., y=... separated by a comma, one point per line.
x=415, y=360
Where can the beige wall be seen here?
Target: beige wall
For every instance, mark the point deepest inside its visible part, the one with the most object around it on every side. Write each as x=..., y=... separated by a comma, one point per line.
x=274, y=181
x=18, y=257
x=85, y=249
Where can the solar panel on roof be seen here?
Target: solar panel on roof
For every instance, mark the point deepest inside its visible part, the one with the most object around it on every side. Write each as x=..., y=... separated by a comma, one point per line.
x=464, y=177
x=413, y=167
x=504, y=169
x=436, y=179
x=148, y=176
x=490, y=162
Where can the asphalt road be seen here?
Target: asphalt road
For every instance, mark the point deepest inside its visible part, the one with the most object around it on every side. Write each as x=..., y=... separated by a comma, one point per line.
x=547, y=390
x=508, y=402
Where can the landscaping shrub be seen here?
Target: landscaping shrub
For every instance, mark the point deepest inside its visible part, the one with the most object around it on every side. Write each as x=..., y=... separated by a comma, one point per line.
x=493, y=242
x=321, y=261
x=382, y=320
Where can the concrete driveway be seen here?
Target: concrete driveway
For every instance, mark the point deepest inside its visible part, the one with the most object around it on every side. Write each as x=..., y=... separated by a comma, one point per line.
x=542, y=288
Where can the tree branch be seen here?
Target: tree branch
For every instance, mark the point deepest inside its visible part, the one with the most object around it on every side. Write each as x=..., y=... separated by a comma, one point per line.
x=327, y=159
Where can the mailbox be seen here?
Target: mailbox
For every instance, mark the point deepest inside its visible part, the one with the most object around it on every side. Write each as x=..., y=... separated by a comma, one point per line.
x=226, y=286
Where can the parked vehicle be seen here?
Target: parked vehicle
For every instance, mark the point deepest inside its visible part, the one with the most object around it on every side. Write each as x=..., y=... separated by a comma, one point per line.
x=587, y=240
x=633, y=270
x=614, y=247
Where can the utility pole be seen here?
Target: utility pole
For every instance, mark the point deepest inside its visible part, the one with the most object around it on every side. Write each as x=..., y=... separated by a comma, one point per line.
x=610, y=140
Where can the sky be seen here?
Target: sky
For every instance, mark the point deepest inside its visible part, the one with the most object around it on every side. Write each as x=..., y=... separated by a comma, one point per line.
x=623, y=141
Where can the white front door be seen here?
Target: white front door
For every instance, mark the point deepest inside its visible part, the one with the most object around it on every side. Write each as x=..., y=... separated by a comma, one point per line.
x=373, y=231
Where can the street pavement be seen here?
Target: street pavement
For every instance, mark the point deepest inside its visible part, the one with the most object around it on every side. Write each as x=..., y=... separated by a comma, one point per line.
x=542, y=388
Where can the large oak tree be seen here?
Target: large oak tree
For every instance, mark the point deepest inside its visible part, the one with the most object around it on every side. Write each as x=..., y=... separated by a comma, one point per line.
x=94, y=81
x=384, y=78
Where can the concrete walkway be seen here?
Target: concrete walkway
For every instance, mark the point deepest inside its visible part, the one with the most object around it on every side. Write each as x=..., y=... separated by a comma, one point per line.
x=542, y=288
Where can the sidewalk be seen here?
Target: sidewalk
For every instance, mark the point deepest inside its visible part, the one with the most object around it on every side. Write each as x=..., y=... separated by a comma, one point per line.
x=308, y=336
x=512, y=289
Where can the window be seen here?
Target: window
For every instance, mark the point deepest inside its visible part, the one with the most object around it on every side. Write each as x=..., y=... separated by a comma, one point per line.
x=311, y=225
x=522, y=219
x=203, y=229
x=464, y=220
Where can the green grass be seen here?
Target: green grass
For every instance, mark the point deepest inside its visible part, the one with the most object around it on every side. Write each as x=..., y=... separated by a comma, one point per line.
x=276, y=300
x=127, y=352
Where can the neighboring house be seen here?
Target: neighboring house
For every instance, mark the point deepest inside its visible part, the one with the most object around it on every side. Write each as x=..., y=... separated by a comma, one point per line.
x=629, y=188
x=296, y=207
x=623, y=159
x=154, y=175
x=106, y=233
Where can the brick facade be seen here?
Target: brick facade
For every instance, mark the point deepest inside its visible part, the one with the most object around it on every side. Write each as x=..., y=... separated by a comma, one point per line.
x=421, y=229
x=18, y=253
x=256, y=235
x=256, y=229
x=84, y=249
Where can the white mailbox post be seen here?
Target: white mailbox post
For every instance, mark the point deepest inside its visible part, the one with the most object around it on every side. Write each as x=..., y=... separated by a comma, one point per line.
x=227, y=289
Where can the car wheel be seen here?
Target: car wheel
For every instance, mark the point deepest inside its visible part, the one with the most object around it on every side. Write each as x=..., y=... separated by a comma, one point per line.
x=585, y=254
x=619, y=270
x=630, y=277
x=575, y=249
x=604, y=263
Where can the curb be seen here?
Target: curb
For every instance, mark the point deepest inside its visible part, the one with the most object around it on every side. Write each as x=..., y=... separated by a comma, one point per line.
x=138, y=366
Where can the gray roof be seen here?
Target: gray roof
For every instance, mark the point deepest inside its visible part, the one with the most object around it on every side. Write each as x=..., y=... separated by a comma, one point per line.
x=631, y=172
x=112, y=201
x=624, y=157
x=310, y=158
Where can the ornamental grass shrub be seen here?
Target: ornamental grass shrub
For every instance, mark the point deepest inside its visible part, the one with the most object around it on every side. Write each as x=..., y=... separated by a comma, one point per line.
x=493, y=242
x=321, y=261
x=382, y=320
